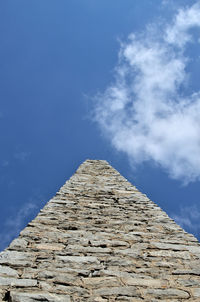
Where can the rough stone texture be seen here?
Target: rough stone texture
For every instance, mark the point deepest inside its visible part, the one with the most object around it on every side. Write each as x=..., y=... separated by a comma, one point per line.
x=100, y=239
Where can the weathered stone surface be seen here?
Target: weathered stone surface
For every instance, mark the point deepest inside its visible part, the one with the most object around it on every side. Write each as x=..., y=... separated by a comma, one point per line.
x=78, y=259
x=196, y=292
x=168, y=293
x=31, y=297
x=15, y=258
x=170, y=254
x=19, y=244
x=18, y=282
x=99, y=282
x=101, y=240
x=144, y=282
x=6, y=270
x=130, y=291
x=47, y=246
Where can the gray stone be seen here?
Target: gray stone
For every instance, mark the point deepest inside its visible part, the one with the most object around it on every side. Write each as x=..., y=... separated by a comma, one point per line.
x=130, y=291
x=196, y=292
x=144, y=282
x=18, y=243
x=167, y=246
x=16, y=258
x=194, y=271
x=98, y=282
x=37, y=296
x=17, y=282
x=98, y=240
x=78, y=259
x=194, y=250
x=173, y=254
x=168, y=293
x=6, y=270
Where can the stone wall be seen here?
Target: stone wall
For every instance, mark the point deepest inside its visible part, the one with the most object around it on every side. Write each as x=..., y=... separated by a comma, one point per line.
x=100, y=239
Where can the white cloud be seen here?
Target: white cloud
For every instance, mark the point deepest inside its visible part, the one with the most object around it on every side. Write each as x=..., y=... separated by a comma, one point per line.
x=19, y=217
x=15, y=223
x=188, y=218
x=186, y=19
x=22, y=155
x=144, y=112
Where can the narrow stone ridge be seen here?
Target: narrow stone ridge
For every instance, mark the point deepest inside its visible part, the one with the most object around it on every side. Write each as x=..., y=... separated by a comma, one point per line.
x=100, y=239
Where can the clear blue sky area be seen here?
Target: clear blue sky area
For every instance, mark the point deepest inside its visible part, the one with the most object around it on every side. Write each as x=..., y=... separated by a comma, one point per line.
x=55, y=57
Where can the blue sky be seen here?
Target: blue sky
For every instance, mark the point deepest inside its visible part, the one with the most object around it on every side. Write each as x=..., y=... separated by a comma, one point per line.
x=115, y=80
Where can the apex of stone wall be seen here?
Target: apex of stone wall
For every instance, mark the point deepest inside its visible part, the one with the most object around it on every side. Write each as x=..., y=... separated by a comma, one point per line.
x=99, y=239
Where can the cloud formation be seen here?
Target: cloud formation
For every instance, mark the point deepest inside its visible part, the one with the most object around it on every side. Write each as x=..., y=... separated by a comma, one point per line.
x=144, y=112
x=188, y=218
x=22, y=156
x=14, y=224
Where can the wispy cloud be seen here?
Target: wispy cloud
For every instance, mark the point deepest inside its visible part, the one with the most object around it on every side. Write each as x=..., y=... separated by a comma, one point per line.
x=22, y=155
x=144, y=112
x=186, y=19
x=5, y=163
x=188, y=218
x=15, y=223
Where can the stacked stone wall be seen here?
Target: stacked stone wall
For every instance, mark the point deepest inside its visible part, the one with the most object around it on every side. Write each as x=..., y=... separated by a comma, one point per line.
x=100, y=239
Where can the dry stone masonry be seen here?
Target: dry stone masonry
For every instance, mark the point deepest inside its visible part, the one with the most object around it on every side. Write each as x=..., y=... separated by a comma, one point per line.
x=99, y=239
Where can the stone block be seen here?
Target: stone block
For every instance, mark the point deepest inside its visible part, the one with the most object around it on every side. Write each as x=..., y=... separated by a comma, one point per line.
x=169, y=293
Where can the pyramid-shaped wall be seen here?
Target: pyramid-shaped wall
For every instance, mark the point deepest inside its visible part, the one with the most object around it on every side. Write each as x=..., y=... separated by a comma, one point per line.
x=100, y=239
